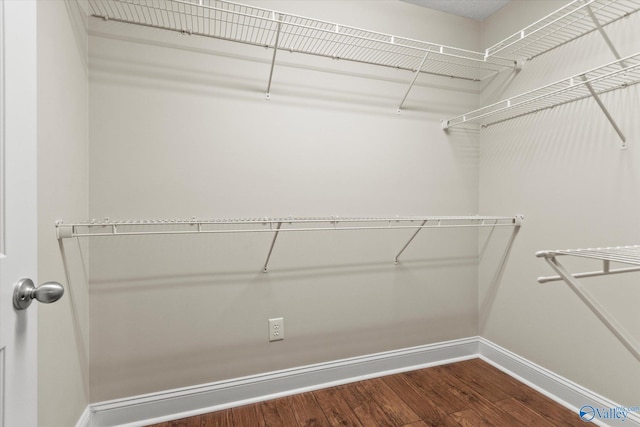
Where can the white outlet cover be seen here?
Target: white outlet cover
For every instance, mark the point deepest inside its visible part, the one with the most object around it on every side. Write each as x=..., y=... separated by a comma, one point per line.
x=276, y=329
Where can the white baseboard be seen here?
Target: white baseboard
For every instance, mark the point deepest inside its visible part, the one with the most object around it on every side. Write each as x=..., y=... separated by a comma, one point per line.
x=173, y=404
x=559, y=389
x=85, y=418
x=185, y=402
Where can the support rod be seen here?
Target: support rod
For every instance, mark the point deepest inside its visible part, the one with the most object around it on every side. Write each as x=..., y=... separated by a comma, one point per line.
x=605, y=36
x=415, y=76
x=617, y=329
x=273, y=59
x=604, y=272
x=605, y=111
x=273, y=242
x=410, y=240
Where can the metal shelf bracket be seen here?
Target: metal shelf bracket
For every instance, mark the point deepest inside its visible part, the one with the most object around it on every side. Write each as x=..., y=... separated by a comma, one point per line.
x=604, y=35
x=395, y=261
x=622, y=64
x=273, y=59
x=516, y=222
x=413, y=80
x=273, y=242
x=628, y=254
x=605, y=111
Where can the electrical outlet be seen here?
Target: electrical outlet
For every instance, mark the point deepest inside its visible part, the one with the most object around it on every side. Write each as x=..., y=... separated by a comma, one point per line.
x=276, y=329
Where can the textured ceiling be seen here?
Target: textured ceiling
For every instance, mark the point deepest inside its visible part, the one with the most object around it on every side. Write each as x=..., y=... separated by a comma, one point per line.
x=475, y=9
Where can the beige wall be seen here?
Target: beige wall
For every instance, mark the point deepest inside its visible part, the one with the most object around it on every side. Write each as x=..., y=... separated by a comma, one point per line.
x=564, y=170
x=62, y=194
x=180, y=127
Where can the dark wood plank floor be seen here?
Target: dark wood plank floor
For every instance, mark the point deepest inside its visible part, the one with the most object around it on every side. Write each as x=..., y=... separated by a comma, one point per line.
x=468, y=394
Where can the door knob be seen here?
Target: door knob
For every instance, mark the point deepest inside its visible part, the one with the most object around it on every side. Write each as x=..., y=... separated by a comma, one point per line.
x=25, y=292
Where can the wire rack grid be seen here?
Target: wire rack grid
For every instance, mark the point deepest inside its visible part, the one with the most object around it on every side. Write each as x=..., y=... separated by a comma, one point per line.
x=107, y=227
x=268, y=28
x=568, y=23
x=621, y=254
x=615, y=75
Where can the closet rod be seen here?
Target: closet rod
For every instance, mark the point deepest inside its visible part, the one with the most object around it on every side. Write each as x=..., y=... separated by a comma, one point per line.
x=262, y=225
x=621, y=254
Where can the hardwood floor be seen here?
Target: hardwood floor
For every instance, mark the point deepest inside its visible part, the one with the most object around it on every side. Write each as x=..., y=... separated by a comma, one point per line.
x=468, y=394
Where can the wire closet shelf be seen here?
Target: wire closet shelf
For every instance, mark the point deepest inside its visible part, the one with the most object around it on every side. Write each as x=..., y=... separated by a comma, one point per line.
x=282, y=31
x=107, y=227
x=614, y=75
x=629, y=255
x=621, y=254
x=568, y=23
x=277, y=225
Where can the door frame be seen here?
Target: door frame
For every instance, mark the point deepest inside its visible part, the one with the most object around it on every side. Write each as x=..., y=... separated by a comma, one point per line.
x=18, y=206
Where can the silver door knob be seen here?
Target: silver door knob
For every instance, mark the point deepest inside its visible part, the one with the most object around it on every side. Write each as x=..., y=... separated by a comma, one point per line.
x=25, y=291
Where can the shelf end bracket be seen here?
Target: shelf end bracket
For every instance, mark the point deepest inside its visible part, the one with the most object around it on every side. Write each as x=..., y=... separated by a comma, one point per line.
x=273, y=59
x=63, y=231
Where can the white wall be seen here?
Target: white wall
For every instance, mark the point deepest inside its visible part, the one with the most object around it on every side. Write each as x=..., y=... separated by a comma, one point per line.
x=179, y=127
x=564, y=170
x=63, y=364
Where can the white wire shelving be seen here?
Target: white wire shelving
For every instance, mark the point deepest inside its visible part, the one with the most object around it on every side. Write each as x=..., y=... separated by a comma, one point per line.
x=104, y=228
x=280, y=31
x=568, y=23
x=286, y=32
x=628, y=255
x=592, y=83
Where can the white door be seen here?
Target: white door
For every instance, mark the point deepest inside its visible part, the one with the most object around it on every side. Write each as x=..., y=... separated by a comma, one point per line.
x=18, y=245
